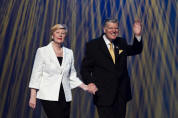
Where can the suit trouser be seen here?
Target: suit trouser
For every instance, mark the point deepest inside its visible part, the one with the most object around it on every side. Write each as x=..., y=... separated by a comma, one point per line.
x=57, y=109
x=116, y=110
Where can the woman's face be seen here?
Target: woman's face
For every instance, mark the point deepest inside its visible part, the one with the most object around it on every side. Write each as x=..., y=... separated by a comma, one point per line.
x=59, y=36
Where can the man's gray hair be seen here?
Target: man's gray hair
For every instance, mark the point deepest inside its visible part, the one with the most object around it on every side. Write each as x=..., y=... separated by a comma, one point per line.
x=112, y=20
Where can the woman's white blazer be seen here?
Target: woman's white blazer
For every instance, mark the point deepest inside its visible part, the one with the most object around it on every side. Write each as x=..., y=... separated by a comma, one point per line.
x=47, y=74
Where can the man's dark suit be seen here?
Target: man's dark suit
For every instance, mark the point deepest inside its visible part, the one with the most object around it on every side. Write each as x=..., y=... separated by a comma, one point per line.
x=111, y=79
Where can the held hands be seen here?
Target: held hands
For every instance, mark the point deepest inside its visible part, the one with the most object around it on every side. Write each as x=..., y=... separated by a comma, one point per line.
x=137, y=28
x=84, y=87
x=91, y=88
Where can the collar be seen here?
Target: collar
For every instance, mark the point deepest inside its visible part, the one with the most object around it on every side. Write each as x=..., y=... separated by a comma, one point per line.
x=107, y=42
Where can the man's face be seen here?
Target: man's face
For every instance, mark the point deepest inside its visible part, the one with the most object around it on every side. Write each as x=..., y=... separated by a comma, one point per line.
x=111, y=30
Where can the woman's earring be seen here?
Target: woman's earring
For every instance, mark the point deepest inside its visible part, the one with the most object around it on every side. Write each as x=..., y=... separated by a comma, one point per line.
x=52, y=37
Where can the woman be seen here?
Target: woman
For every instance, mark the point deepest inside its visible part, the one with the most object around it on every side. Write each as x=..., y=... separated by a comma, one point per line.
x=53, y=76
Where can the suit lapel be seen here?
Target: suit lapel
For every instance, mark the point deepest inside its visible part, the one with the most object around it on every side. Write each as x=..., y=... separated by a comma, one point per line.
x=116, y=50
x=64, y=60
x=53, y=56
x=104, y=48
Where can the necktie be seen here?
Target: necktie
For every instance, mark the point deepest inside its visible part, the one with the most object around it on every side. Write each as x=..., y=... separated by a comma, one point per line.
x=111, y=51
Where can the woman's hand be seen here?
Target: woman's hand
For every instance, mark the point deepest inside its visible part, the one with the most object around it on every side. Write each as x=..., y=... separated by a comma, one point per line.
x=32, y=101
x=84, y=87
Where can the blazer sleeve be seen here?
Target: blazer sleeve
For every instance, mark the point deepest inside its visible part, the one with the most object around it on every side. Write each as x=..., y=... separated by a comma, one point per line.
x=37, y=70
x=74, y=80
x=135, y=48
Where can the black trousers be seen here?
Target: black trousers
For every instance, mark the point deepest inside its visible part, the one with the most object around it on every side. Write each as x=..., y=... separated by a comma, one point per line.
x=57, y=109
x=116, y=110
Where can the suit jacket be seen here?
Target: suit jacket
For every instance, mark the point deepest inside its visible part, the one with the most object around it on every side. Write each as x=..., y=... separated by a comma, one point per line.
x=111, y=79
x=47, y=74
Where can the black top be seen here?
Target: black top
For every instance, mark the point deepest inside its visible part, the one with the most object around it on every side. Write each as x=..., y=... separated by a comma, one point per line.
x=60, y=59
x=61, y=93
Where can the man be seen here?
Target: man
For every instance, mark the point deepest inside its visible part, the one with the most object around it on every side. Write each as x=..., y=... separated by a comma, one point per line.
x=104, y=69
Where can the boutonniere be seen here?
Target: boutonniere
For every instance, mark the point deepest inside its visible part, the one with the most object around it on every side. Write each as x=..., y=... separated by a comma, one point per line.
x=120, y=51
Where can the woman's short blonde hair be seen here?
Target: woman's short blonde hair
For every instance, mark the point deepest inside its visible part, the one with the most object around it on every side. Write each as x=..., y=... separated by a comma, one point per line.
x=56, y=27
